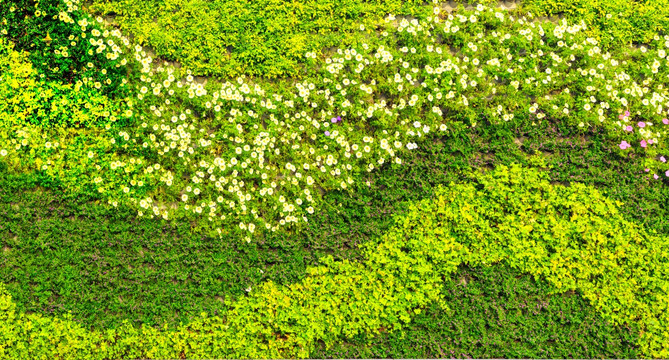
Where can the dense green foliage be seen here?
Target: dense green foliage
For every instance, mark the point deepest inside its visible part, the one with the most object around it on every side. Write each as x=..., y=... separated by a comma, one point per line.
x=231, y=266
x=571, y=236
x=27, y=100
x=267, y=38
x=615, y=23
x=263, y=38
x=63, y=43
x=498, y=312
x=251, y=160
x=96, y=273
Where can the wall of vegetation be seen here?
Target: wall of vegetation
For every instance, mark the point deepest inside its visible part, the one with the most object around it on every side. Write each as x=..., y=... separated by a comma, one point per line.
x=63, y=62
x=571, y=236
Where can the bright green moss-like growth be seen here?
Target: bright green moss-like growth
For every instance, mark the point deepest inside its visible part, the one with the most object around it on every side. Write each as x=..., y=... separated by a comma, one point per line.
x=268, y=38
x=25, y=99
x=571, y=236
x=61, y=127
x=65, y=45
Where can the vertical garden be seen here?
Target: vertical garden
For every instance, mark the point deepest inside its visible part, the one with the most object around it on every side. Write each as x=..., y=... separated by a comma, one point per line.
x=333, y=179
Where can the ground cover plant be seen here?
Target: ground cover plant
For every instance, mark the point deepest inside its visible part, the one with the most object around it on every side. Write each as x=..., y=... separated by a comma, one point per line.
x=256, y=177
x=265, y=38
x=517, y=323
x=399, y=273
x=317, y=172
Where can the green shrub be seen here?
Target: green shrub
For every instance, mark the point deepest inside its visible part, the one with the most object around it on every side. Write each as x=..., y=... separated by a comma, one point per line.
x=64, y=44
x=571, y=236
x=49, y=126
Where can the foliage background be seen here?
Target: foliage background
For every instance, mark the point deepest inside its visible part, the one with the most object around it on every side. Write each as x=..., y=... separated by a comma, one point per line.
x=261, y=38
x=340, y=299
x=346, y=222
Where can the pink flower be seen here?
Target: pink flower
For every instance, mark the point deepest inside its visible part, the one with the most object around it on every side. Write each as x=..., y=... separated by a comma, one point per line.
x=650, y=141
x=665, y=121
x=627, y=113
x=629, y=128
x=655, y=176
x=624, y=145
x=647, y=170
x=327, y=133
x=641, y=124
x=667, y=173
x=663, y=159
x=621, y=116
x=643, y=143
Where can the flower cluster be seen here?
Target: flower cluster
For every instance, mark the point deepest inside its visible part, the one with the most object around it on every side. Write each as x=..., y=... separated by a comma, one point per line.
x=248, y=159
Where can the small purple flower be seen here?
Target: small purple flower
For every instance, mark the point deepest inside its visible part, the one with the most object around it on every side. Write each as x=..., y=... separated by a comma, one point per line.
x=339, y=118
x=334, y=120
x=641, y=124
x=646, y=170
x=629, y=128
x=667, y=173
x=327, y=133
x=655, y=176
x=624, y=145
x=665, y=121
x=663, y=159
x=643, y=143
x=627, y=113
